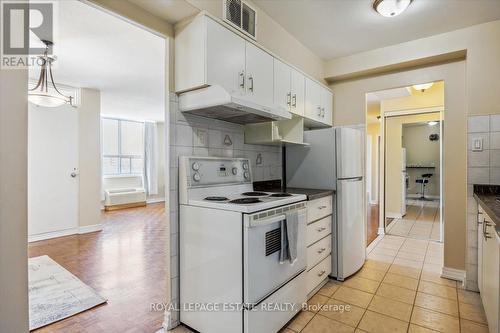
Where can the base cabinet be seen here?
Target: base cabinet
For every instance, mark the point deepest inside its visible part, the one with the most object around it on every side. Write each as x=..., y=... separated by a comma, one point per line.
x=489, y=268
x=319, y=242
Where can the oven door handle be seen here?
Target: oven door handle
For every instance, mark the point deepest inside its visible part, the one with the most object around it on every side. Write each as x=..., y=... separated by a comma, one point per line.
x=260, y=223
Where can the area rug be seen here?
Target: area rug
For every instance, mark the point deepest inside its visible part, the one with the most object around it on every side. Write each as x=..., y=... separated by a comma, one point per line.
x=55, y=293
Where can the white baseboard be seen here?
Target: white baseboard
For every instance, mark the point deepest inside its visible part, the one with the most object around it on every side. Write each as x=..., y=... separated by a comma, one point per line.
x=374, y=243
x=454, y=274
x=65, y=232
x=393, y=215
x=155, y=200
x=90, y=228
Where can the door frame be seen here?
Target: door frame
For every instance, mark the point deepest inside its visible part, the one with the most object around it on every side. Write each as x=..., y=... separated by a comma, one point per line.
x=382, y=192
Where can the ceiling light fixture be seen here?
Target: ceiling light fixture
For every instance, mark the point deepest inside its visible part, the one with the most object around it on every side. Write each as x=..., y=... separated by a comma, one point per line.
x=40, y=94
x=423, y=87
x=391, y=8
x=432, y=123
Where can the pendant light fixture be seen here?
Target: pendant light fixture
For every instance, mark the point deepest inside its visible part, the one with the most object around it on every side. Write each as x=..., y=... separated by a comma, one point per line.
x=391, y=8
x=42, y=94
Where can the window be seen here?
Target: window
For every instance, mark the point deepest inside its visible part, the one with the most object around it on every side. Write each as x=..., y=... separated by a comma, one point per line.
x=122, y=147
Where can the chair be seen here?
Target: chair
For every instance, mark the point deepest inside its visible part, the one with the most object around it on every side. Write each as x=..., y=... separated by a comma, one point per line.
x=424, y=180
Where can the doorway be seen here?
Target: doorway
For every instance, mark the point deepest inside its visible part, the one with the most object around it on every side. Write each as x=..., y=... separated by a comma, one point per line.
x=404, y=157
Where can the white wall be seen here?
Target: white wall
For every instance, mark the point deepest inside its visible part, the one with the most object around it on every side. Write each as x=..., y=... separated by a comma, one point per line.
x=13, y=200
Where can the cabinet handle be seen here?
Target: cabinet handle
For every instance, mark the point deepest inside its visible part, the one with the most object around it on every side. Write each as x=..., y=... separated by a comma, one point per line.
x=486, y=234
x=289, y=99
x=321, y=273
x=294, y=100
x=319, y=111
x=321, y=207
x=321, y=250
x=323, y=112
x=242, y=79
x=479, y=215
x=321, y=229
x=250, y=78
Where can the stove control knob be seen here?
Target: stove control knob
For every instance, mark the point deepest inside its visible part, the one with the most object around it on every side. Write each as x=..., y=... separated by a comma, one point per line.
x=196, y=177
x=195, y=166
x=246, y=174
x=245, y=166
x=235, y=171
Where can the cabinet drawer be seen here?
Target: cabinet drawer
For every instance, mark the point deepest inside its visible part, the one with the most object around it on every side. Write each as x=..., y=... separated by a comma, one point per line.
x=319, y=208
x=318, y=273
x=319, y=229
x=318, y=251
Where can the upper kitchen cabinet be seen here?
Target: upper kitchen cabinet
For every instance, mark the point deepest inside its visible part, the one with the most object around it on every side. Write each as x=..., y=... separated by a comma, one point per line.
x=259, y=75
x=289, y=88
x=318, y=105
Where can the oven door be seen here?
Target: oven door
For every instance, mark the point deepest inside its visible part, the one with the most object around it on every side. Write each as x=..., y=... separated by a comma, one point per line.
x=263, y=273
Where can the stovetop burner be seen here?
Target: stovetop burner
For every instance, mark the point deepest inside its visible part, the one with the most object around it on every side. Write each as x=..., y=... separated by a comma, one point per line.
x=245, y=201
x=281, y=195
x=216, y=198
x=254, y=194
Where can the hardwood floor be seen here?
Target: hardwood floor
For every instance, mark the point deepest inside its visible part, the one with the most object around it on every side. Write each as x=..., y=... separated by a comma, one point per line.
x=372, y=223
x=125, y=263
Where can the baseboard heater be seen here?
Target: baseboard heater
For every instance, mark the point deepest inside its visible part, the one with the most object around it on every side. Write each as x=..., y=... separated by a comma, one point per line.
x=124, y=198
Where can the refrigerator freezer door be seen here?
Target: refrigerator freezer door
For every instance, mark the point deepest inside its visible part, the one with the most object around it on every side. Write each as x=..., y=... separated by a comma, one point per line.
x=350, y=227
x=349, y=153
x=312, y=166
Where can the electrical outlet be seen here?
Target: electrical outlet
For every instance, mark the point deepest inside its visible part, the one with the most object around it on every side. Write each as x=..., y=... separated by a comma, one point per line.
x=200, y=137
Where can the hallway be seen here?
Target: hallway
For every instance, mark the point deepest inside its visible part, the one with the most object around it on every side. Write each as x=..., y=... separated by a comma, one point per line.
x=421, y=221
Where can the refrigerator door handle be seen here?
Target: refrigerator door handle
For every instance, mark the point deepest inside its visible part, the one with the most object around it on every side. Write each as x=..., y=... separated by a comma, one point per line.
x=357, y=179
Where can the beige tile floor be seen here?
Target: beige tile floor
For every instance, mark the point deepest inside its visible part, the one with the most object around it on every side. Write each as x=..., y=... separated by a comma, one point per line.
x=421, y=221
x=399, y=289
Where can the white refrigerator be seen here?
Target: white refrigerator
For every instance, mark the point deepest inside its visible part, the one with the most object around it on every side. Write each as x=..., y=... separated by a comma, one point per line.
x=334, y=160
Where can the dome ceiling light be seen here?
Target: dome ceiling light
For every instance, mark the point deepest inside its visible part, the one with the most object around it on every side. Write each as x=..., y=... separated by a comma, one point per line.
x=391, y=8
x=423, y=87
x=45, y=93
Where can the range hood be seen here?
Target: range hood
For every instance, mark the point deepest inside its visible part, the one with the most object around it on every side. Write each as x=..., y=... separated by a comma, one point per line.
x=215, y=102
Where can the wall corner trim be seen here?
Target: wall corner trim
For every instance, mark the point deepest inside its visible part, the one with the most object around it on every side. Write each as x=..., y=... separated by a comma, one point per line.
x=454, y=274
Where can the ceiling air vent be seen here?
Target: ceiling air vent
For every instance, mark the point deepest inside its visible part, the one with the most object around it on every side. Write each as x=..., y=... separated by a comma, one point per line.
x=241, y=15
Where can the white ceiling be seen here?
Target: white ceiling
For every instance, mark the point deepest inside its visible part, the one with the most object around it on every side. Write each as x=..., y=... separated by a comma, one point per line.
x=378, y=96
x=171, y=11
x=338, y=28
x=97, y=50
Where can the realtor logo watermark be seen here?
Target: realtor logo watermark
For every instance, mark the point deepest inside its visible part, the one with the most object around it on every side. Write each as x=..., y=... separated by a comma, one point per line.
x=24, y=26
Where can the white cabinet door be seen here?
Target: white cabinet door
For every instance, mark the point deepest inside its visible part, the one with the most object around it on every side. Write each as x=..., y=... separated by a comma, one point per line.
x=225, y=58
x=259, y=76
x=313, y=100
x=298, y=89
x=480, y=221
x=491, y=275
x=326, y=107
x=282, y=89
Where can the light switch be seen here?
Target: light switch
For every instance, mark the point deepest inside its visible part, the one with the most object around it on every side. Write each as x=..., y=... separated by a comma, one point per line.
x=477, y=144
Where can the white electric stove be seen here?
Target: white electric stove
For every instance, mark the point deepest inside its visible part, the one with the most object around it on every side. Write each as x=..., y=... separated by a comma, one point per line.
x=231, y=278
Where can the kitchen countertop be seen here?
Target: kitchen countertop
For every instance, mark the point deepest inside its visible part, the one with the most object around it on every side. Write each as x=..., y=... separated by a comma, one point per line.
x=275, y=186
x=486, y=197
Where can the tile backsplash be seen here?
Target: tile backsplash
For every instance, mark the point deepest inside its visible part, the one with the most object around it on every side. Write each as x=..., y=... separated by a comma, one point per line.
x=483, y=167
x=198, y=136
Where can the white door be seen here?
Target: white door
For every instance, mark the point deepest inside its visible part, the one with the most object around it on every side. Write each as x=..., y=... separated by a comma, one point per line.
x=298, y=87
x=327, y=101
x=351, y=227
x=225, y=64
x=313, y=100
x=282, y=90
x=259, y=74
x=52, y=159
